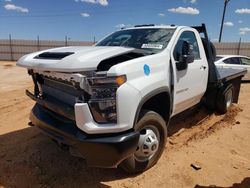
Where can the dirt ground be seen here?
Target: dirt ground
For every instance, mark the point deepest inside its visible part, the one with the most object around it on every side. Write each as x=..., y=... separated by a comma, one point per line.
x=219, y=144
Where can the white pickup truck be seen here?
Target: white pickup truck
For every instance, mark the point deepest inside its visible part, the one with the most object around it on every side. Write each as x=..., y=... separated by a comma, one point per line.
x=111, y=103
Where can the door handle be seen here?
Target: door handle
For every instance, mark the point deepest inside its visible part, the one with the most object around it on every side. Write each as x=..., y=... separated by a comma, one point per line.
x=203, y=67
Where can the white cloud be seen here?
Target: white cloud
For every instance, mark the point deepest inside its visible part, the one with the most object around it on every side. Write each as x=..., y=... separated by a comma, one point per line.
x=89, y=1
x=84, y=14
x=244, y=30
x=215, y=40
x=240, y=21
x=120, y=25
x=100, y=2
x=243, y=11
x=7, y=0
x=103, y=2
x=123, y=25
x=16, y=8
x=161, y=14
x=229, y=24
x=193, y=1
x=184, y=10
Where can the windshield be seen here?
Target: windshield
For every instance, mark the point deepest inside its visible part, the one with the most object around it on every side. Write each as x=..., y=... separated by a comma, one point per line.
x=153, y=40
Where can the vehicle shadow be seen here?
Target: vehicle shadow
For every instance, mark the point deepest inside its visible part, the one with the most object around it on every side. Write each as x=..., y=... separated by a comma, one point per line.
x=30, y=159
x=245, y=183
x=188, y=119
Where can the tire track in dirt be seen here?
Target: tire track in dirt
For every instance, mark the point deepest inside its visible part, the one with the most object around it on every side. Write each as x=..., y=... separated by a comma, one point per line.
x=202, y=124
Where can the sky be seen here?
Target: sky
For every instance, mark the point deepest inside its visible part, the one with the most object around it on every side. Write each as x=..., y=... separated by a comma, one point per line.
x=88, y=19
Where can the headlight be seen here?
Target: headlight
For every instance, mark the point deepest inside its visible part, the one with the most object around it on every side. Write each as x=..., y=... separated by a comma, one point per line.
x=104, y=92
x=112, y=80
x=103, y=99
x=104, y=111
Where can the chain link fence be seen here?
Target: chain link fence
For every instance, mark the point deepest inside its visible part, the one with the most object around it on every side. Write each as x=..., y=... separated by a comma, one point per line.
x=12, y=49
x=233, y=48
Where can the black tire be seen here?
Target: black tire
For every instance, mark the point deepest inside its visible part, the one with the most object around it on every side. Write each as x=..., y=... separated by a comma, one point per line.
x=225, y=99
x=150, y=121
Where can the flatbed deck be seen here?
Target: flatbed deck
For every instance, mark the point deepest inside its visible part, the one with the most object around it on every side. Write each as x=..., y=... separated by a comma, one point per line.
x=226, y=74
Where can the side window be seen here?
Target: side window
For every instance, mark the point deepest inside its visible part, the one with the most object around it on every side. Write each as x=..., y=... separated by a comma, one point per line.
x=234, y=61
x=245, y=61
x=189, y=37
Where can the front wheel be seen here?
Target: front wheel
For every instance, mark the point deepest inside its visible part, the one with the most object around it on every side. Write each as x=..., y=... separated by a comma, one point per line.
x=153, y=137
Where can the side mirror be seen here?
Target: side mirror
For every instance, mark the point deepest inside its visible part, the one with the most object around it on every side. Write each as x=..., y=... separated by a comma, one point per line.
x=186, y=56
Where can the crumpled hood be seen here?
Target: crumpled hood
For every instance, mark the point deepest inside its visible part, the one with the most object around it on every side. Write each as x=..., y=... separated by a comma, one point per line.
x=77, y=59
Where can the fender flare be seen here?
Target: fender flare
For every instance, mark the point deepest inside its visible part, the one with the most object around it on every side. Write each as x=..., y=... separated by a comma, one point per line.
x=148, y=96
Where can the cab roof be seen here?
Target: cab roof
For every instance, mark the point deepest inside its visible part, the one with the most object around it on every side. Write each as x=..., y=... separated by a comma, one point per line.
x=151, y=26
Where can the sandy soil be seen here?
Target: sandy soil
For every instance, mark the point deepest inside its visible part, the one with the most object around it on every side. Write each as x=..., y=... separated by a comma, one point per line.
x=219, y=144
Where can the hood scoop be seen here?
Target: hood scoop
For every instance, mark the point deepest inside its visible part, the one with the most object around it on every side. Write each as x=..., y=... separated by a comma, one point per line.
x=53, y=55
x=108, y=63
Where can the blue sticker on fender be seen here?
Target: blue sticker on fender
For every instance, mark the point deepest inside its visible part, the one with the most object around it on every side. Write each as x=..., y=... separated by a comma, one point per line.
x=146, y=69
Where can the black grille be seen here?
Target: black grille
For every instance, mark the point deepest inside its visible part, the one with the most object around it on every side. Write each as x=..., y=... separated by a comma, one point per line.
x=63, y=92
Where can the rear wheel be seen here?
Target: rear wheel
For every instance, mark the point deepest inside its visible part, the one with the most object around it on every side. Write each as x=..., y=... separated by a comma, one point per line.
x=225, y=99
x=153, y=136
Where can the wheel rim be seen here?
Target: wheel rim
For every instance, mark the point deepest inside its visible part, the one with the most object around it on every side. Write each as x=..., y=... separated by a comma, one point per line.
x=148, y=143
x=229, y=98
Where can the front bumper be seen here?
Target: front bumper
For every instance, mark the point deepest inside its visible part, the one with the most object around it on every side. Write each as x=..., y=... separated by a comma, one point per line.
x=81, y=114
x=107, y=150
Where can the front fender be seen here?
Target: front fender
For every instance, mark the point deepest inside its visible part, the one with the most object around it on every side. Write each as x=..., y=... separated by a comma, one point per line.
x=128, y=99
x=148, y=96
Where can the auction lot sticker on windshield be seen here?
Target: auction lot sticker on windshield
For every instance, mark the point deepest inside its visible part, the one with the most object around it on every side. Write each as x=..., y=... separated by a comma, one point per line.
x=154, y=46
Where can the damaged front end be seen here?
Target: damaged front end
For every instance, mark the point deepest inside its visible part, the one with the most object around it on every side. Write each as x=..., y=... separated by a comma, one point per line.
x=59, y=92
x=72, y=108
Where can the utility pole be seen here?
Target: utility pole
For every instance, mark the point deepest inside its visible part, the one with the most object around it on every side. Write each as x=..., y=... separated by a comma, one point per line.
x=38, y=43
x=239, y=46
x=223, y=16
x=66, y=40
x=11, y=49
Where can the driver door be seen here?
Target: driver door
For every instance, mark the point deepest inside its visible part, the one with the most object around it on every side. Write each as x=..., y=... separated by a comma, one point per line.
x=189, y=84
